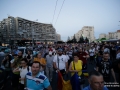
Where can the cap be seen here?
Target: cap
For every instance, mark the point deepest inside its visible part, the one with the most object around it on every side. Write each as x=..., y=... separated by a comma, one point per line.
x=60, y=50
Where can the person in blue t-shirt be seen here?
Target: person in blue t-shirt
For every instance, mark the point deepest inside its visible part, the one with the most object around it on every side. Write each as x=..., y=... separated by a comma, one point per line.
x=35, y=80
x=96, y=81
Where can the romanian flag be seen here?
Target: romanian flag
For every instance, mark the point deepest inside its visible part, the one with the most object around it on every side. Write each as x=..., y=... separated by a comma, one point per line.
x=85, y=73
x=75, y=82
x=62, y=84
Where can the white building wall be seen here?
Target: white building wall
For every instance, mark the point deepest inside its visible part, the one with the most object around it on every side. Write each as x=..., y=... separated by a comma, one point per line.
x=102, y=35
x=87, y=31
x=107, y=36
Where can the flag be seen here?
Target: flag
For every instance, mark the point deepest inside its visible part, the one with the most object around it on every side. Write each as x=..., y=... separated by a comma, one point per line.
x=66, y=85
x=85, y=73
x=62, y=84
x=75, y=82
x=60, y=81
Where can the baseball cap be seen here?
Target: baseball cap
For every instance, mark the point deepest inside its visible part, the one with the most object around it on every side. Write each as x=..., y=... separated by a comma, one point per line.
x=60, y=50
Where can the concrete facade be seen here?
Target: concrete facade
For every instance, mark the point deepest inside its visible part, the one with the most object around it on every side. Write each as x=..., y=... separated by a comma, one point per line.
x=102, y=35
x=111, y=35
x=14, y=29
x=58, y=37
x=86, y=31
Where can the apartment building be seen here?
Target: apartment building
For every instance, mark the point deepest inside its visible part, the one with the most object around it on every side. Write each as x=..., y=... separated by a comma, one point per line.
x=86, y=31
x=58, y=37
x=111, y=35
x=16, y=29
x=102, y=35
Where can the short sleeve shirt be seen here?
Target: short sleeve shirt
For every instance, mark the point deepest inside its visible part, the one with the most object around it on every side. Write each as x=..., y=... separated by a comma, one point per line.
x=105, y=68
x=42, y=60
x=88, y=88
x=38, y=83
x=82, y=58
x=61, y=60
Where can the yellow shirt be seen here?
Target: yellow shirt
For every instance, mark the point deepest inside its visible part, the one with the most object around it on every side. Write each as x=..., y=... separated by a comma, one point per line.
x=78, y=66
x=42, y=60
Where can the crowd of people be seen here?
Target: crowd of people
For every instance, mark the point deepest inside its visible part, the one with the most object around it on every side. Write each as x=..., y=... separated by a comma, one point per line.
x=35, y=70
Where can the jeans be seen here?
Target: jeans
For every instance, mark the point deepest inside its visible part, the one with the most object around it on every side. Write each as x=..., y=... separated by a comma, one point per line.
x=49, y=72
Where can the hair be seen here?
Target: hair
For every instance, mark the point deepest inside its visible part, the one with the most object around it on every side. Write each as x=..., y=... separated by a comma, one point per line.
x=94, y=73
x=75, y=54
x=106, y=53
x=20, y=51
x=9, y=58
x=36, y=62
x=83, y=49
x=25, y=59
x=39, y=53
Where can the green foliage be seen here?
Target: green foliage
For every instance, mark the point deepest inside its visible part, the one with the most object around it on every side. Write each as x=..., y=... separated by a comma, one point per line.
x=86, y=40
x=60, y=42
x=102, y=39
x=81, y=40
x=74, y=39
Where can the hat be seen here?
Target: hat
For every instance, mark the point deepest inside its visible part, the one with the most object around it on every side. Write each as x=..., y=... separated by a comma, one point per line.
x=60, y=50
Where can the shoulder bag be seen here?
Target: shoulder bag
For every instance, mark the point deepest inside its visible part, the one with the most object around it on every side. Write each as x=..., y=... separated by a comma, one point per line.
x=81, y=78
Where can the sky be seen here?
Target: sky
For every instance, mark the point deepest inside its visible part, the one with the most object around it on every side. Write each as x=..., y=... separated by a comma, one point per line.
x=104, y=15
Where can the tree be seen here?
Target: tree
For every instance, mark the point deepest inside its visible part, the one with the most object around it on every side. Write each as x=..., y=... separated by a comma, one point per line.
x=102, y=39
x=86, y=40
x=81, y=40
x=68, y=38
x=70, y=41
x=60, y=42
x=74, y=39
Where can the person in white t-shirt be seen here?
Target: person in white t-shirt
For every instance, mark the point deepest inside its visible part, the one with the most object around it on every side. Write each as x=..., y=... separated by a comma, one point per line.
x=92, y=54
x=60, y=62
x=64, y=53
x=24, y=69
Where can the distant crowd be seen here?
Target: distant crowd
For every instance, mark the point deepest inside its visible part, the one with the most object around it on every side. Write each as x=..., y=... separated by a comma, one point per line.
x=33, y=68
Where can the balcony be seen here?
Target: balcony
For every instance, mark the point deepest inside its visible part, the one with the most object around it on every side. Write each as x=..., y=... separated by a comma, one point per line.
x=24, y=30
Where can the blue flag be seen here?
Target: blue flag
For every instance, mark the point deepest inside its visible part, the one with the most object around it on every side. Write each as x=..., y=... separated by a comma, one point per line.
x=75, y=82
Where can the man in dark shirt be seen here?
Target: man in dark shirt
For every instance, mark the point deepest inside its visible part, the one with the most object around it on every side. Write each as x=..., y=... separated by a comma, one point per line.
x=104, y=66
x=83, y=56
x=113, y=51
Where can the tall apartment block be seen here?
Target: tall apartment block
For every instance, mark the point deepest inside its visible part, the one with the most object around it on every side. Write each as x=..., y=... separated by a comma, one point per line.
x=86, y=31
x=16, y=29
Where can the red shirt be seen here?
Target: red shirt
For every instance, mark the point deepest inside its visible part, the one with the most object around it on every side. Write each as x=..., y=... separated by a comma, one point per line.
x=82, y=58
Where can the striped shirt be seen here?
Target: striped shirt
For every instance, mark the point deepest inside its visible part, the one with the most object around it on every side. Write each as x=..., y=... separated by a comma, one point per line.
x=38, y=83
